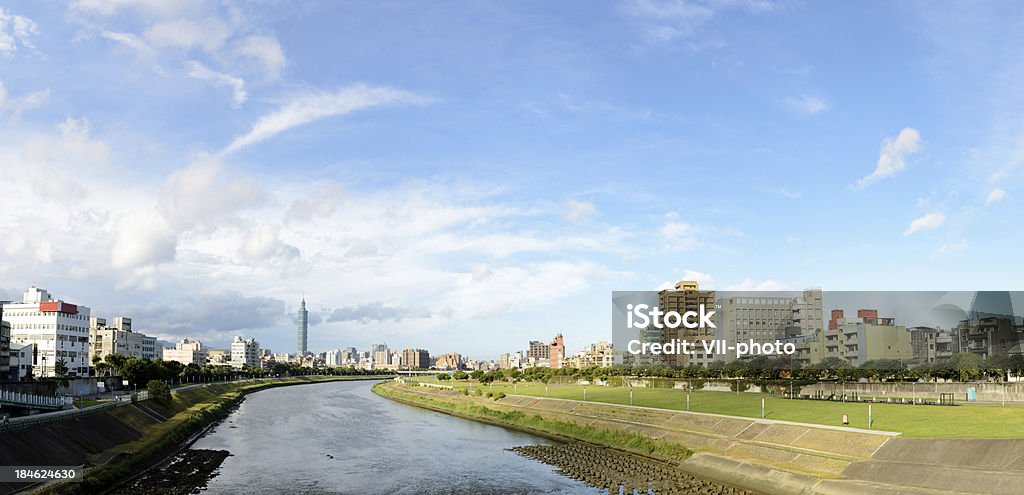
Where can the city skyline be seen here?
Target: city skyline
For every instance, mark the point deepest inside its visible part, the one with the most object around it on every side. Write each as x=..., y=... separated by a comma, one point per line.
x=211, y=162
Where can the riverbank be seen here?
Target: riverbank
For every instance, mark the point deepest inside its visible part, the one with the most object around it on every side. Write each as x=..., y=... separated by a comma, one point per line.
x=770, y=456
x=116, y=444
x=536, y=424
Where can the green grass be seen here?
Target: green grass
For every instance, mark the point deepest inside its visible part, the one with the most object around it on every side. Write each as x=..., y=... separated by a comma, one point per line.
x=617, y=438
x=964, y=421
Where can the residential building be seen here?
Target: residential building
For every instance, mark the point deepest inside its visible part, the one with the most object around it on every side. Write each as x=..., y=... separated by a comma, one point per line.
x=503, y=361
x=538, y=350
x=930, y=345
x=868, y=337
x=5, y=349
x=21, y=361
x=187, y=352
x=810, y=348
x=989, y=336
x=765, y=319
x=557, y=352
x=218, y=356
x=333, y=358
x=598, y=354
x=687, y=296
x=58, y=330
x=119, y=338
x=415, y=359
x=245, y=352
x=449, y=361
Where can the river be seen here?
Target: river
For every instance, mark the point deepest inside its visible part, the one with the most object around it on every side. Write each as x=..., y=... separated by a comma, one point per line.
x=340, y=437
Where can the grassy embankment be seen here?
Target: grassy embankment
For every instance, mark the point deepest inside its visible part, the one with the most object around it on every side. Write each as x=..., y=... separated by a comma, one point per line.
x=188, y=413
x=474, y=408
x=962, y=421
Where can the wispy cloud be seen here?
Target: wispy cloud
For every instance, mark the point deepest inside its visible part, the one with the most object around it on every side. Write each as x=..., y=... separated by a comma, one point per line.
x=665, y=21
x=16, y=31
x=237, y=84
x=806, y=104
x=308, y=107
x=930, y=221
x=579, y=210
x=997, y=195
x=892, y=158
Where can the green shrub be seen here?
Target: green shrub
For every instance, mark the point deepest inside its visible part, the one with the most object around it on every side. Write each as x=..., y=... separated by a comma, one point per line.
x=499, y=396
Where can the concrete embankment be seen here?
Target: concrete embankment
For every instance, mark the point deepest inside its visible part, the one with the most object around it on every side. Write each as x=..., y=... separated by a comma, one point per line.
x=788, y=458
x=118, y=442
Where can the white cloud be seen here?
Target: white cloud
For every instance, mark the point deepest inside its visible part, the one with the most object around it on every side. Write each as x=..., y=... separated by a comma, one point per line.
x=579, y=210
x=75, y=144
x=312, y=106
x=237, y=85
x=264, y=242
x=208, y=34
x=663, y=21
x=950, y=248
x=140, y=239
x=930, y=221
x=14, y=107
x=807, y=104
x=266, y=51
x=129, y=40
x=678, y=234
x=997, y=195
x=16, y=31
x=892, y=158
x=203, y=191
x=321, y=204
x=703, y=279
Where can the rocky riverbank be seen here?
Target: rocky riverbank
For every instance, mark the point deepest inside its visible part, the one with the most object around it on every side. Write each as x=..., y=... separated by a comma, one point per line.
x=619, y=472
x=186, y=473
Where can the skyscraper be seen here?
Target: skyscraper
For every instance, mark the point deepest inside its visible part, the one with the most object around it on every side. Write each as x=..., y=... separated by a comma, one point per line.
x=303, y=327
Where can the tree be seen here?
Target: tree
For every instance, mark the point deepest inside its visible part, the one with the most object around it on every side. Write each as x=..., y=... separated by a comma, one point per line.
x=443, y=376
x=116, y=361
x=476, y=374
x=460, y=375
x=160, y=391
x=60, y=368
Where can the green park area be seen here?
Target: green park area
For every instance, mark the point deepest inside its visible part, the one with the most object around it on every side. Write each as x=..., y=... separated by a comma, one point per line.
x=923, y=421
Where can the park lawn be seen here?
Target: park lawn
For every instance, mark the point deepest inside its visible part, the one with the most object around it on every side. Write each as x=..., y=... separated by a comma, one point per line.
x=963, y=421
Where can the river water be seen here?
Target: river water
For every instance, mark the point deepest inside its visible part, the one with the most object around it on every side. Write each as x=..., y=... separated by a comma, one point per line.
x=340, y=437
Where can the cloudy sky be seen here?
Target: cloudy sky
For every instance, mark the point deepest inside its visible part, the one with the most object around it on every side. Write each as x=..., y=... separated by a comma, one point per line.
x=471, y=175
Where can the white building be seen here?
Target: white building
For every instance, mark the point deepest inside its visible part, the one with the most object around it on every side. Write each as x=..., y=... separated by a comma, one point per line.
x=119, y=338
x=21, y=360
x=245, y=352
x=186, y=352
x=59, y=331
x=333, y=358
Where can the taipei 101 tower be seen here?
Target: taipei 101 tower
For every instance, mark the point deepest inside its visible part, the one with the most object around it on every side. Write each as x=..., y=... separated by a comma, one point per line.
x=303, y=327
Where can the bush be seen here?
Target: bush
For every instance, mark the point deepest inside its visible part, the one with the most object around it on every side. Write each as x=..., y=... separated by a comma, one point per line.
x=478, y=392
x=489, y=395
x=465, y=391
x=499, y=395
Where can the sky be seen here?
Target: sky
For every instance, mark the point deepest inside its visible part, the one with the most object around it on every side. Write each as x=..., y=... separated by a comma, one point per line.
x=469, y=176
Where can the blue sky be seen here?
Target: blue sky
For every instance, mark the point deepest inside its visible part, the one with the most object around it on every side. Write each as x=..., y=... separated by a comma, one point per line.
x=471, y=175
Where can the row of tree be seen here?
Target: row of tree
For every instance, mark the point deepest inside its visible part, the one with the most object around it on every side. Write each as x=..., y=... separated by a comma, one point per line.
x=961, y=367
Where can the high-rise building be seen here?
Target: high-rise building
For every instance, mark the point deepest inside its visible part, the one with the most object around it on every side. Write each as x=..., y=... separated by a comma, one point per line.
x=598, y=354
x=415, y=359
x=538, y=350
x=58, y=331
x=687, y=296
x=764, y=318
x=557, y=352
x=303, y=327
x=450, y=361
x=245, y=352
